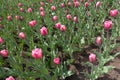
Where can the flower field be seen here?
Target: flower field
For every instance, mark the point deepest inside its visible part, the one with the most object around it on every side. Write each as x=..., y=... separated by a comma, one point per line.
x=58, y=39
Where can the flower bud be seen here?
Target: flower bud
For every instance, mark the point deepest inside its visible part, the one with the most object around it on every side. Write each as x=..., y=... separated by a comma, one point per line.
x=57, y=61
x=69, y=17
x=58, y=25
x=10, y=78
x=108, y=24
x=63, y=28
x=53, y=8
x=86, y=4
x=98, y=4
x=42, y=13
x=37, y=53
x=33, y=23
x=114, y=13
x=92, y=58
x=22, y=35
x=44, y=31
x=55, y=18
x=4, y=53
x=30, y=10
x=1, y=40
x=99, y=40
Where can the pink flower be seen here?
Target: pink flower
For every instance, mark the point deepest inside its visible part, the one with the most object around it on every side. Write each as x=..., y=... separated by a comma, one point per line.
x=55, y=18
x=10, y=18
x=4, y=53
x=22, y=35
x=58, y=25
x=42, y=13
x=108, y=24
x=76, y=4
x=69, y=3
x=57, y=61
x=86, y=4
x=44, y=31
x=41, y=9
x=22, y=9
x=17, y=17
x=69, y=17
x=10, y=78
x=30, y=10
x=1, y=40
x=62, y=5
x=75, y=19
x=51, y=1
x=53, y=8
x=63, y=28
x=20, y=4
x=42, y=3
x=114, y=13
x=98, y=4
x=37, y=53
x=33, y=23
x=91, y=0
x=99, y=40
x=92, y=58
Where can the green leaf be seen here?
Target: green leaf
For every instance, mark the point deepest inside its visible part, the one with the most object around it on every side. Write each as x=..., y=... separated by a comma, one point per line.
x=107, y=68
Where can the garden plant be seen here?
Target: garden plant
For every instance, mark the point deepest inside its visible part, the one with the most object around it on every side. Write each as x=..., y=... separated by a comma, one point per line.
x=38, y=38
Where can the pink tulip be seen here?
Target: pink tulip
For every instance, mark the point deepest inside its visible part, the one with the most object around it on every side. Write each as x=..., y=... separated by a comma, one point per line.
x=33, y=23
x=17, y=17
x=75, y=19
x=86, y=4
x=92, y=58
x=69, y=3
x=20, y=4
x=22, y=9
x=51, y=1
x=10, y=18
x=91, y=0
x=4, y=53
x=44, y=31
x=69, y=17
x=57, y=61
x=10, y=78
x=63, y=28
x=22, y=35
x=53, y=8
x=76, y=4
x=62, y=5
x=37, y=53
x=108, y=24
x=99, y=40
x=98, y=4
x=42, y=13
x=42, y=4
x=58, y=25
x=41, y=9
x=1, y=40
x=30, y=10
x=114, y=13
x=55, y=18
